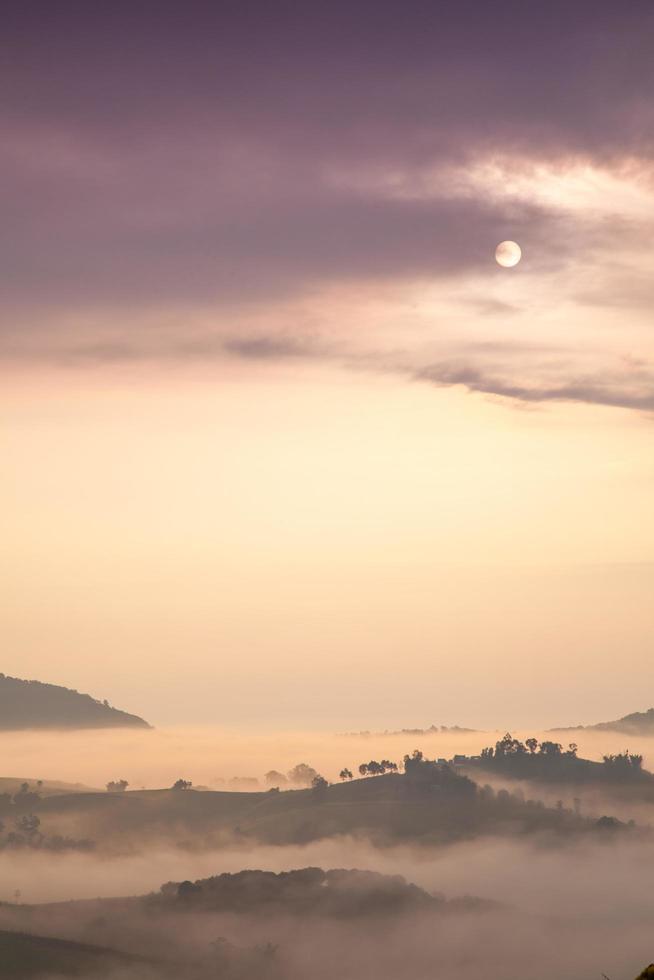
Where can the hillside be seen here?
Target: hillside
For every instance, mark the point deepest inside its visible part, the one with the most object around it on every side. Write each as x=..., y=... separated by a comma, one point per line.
x=31, y=704
x=229, y=926
x=27, y=956
x=637, y=723
x=434, y=807
x=303, y=892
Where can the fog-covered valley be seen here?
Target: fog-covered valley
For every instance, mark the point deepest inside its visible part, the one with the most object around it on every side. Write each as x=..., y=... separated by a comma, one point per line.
x=547, y=878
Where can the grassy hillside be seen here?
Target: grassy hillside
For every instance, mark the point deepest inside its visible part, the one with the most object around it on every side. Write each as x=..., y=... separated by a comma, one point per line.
x=31, y=704
x=384, y=809
x=45, y=787
x=26, y=956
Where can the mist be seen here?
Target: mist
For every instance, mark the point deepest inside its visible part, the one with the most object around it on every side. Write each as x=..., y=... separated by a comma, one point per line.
x=583, y=912
x=531, y=905
x=209, y=756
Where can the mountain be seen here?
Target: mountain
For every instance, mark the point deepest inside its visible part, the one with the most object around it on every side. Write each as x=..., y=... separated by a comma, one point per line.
x=31, y=704
x=637, y=723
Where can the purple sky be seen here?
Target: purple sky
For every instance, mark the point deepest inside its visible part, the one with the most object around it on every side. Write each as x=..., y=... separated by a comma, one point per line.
x=235, y=157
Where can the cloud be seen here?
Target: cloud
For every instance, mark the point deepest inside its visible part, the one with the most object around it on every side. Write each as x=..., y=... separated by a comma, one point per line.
x=623, y=391
x=160, y=170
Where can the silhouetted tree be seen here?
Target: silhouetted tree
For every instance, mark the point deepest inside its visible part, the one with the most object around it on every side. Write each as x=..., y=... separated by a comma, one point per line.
x=550, y=749
x=302, y=774
x=345, y=774
x=25, y=797
x=319, y=783
x=28, y=825
x=274, y=778
x=374, y=768
x=117, y=786
x=624, y=762
x=182, y=784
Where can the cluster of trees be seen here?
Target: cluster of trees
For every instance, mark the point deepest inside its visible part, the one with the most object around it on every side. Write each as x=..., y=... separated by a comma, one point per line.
x=27, y=834
x=374, y=768
x=299, y=776
x=509, y=746
x=624, y=762
x=117, y=786
x=431, y=775
x=24, y=799
x=301, y=892
x=550, y=762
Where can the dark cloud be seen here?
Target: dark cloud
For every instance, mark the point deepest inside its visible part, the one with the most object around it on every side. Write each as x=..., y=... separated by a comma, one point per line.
x=621, y=391
x=158, y=151
x=572, y=74
x=160, y=156
x=267, y=348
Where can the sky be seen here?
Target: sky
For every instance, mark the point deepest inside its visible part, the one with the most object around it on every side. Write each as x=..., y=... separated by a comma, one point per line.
x=282, y=445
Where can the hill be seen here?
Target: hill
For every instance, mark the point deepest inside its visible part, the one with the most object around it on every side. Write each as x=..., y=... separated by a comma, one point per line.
x=27, y=956
x=31, y=704
x=637, y=723
x=430, y=804
x=249, y=925
x=620, y=776
x=44, y=787
x=304, y=892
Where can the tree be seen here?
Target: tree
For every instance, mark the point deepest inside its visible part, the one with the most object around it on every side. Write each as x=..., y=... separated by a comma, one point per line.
x=374, y=768
x=275, y=779
x=117, y=786
x=319, y=784
x=182, y=784
x=624, y=762
x=345, y=774
x=532, y=744
x=508, y=745
x=302, y=774
x=550, y=749
x=28, y=825
x=25, y=797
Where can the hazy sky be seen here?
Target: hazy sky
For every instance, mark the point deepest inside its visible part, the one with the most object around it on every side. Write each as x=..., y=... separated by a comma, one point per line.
x=281, y=443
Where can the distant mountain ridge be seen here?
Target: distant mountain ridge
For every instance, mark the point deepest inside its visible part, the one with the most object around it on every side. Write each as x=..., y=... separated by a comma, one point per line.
x=432, y=730
x=637, y=723
x=32, y=704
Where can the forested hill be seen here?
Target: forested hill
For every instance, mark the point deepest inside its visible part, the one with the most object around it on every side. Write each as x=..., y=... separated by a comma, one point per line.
x=31, y=704
x=637, y=723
